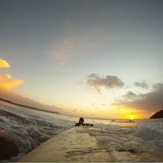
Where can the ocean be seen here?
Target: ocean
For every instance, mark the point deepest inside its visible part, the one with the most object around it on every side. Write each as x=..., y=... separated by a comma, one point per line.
x=23, y=129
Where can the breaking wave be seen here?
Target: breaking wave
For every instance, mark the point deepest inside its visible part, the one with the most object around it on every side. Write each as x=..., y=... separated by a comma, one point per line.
x=22, y=129
x=21, y=132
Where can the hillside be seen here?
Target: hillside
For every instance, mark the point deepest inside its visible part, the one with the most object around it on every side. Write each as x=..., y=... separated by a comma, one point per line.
x=158, y=114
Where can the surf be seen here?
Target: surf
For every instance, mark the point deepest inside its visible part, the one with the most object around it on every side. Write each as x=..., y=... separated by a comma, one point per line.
x=24, y=132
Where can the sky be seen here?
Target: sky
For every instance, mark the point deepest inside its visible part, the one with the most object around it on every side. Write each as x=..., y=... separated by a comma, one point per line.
x=90, y=58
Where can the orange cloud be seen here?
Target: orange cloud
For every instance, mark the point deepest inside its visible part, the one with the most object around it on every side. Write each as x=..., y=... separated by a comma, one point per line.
x=7, y=82
x=4, y=63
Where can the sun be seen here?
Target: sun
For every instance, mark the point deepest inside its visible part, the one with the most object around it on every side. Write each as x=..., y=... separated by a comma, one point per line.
x=132, y=117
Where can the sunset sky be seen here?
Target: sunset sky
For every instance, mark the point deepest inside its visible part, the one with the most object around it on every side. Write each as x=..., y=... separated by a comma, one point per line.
x=100, y=58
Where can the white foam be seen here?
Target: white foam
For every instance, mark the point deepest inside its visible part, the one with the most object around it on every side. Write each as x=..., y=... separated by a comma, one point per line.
x=151, y=131
x=115, y=137
x=144, y=141
x=26, y=130
x=105, y=139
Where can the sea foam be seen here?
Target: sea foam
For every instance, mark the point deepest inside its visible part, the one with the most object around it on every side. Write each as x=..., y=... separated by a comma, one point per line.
x=21, y=132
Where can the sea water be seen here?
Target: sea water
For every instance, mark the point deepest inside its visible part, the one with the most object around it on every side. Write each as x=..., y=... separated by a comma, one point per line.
x=23, y=129
x=128, y=142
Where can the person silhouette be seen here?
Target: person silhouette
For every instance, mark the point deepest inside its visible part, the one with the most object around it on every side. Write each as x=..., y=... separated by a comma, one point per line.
x=81, y=122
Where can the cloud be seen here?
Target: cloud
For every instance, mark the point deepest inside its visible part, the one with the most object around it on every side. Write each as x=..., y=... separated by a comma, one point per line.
x=152, y=101
x=7, y=82
x=108, y=82
x=67, y=49
x=4, y=63
x=79, y=41
x=62, y=54
x=142, y=85
x=130, y=94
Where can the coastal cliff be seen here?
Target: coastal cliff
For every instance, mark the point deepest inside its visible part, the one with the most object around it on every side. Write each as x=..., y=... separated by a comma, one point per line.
x=158, y=114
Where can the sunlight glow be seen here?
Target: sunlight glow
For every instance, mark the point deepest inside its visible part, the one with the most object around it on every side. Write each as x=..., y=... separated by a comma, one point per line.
x=131, y=117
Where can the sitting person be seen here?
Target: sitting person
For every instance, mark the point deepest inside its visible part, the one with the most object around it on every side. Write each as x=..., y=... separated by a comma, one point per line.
x=81, y=123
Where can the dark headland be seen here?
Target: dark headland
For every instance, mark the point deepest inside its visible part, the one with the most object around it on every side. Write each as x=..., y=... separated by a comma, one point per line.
x=158, y=114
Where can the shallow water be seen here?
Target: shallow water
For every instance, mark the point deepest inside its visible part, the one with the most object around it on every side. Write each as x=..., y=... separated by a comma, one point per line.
x=22, y=129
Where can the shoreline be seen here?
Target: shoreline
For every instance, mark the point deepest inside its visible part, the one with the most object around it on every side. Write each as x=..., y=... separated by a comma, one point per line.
x=26, y=106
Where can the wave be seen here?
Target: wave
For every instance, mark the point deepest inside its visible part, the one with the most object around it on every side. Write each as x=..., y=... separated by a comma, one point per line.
x=20, y=133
